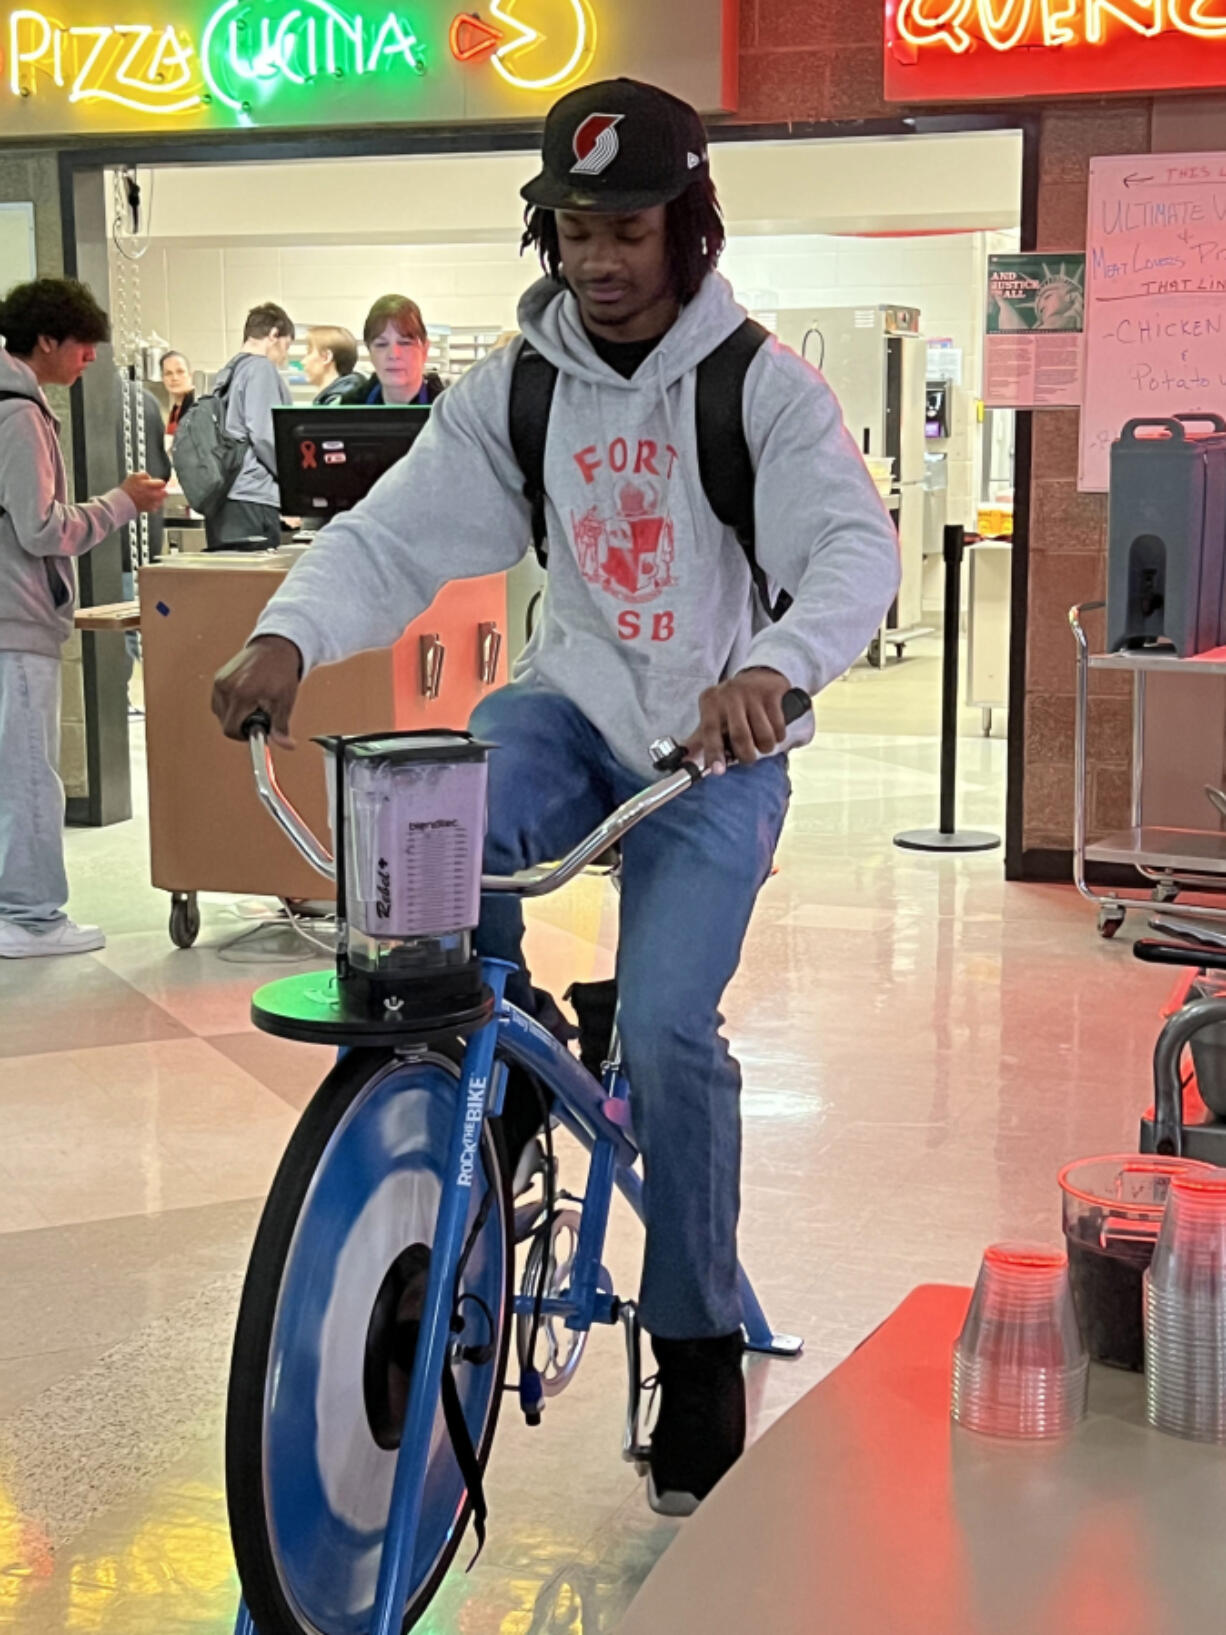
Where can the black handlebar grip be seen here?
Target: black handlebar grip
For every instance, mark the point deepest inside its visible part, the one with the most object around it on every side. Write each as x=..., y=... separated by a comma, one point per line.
x=795, y=704
x=257, y=721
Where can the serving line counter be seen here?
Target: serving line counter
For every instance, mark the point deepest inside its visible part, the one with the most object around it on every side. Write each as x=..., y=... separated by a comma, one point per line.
x=865, y=1511
x=206, y=828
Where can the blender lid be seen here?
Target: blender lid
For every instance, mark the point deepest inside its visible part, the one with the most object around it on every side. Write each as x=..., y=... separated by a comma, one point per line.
x=429, y=744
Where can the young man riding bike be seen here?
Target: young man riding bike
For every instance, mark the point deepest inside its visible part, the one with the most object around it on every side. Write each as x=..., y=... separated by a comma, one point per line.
x=652, y=625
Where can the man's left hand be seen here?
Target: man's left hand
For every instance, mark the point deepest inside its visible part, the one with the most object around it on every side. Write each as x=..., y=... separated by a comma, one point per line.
x=745, y=712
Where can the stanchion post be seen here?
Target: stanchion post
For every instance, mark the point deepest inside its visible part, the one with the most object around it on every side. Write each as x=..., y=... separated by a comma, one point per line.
x=947, y=837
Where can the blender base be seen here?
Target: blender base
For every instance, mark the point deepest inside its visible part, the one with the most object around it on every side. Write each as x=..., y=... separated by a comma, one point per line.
x=312, y=1008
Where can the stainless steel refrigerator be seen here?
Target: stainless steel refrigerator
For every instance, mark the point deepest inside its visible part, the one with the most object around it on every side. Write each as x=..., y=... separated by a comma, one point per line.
x=877, y=363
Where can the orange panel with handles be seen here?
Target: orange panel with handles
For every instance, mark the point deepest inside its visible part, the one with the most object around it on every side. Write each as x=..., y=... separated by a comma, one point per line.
x=449, y=659
x=207, y=831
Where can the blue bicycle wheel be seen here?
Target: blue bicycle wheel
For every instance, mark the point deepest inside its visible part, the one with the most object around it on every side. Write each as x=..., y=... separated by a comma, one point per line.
x=324, y=1344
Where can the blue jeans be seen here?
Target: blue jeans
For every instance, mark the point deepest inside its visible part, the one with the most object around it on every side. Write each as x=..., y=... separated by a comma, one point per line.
x=33, y=884
x=690, y=875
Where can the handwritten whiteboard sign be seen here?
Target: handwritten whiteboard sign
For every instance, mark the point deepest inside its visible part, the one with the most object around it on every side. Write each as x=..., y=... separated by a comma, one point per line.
x=1155, y=295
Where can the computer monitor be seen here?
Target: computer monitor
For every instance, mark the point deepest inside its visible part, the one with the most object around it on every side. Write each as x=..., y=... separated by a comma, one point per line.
x=329, y=457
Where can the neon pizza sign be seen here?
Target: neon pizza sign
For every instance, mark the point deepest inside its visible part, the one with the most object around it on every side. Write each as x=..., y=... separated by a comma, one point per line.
x=81, y=66
x=960, y=50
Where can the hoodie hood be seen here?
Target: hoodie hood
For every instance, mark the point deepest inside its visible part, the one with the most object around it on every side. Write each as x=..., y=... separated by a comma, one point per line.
x=549, y=318
x=18, y=378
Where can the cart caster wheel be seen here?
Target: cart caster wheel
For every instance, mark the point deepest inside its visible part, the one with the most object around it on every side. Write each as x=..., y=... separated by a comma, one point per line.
x=1167, y=892
x=1109, y=922
x=184, y=919
x=874, y=653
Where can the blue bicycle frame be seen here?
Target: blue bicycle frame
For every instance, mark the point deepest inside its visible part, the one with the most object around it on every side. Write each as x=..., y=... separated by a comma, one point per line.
x=595, y=1114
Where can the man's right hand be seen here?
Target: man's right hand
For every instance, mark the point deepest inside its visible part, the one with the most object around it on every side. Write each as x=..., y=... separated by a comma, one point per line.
x=146, y=493
x=264, y=676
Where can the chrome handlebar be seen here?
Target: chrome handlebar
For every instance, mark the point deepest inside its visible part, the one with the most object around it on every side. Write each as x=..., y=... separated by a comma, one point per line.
x=547, y=877
x=534, y=882
x=528, y=883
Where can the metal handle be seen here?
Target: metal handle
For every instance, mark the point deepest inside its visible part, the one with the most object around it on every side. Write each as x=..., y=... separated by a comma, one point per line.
x=433, y=654
x=284, y=814
x=489, y=651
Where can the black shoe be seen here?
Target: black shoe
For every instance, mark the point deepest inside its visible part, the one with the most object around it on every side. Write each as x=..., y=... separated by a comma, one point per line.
x=595, y=1004
x=700, y=1432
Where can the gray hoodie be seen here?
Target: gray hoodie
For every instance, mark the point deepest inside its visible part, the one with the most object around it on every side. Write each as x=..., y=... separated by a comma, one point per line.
x=40, y=532
x=249, y=405
x=649, y=597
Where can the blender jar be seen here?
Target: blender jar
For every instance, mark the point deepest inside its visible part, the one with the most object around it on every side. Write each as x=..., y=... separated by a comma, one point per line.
x=411, y=817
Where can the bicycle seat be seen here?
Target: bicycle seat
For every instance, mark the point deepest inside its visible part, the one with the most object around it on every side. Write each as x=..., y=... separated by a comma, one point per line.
x=1202, y=958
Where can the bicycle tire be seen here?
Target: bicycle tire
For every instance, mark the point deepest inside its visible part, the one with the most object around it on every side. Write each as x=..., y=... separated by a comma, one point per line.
x=278, y=1601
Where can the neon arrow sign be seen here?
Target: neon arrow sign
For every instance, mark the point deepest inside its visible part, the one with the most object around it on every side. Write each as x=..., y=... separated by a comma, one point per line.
x=507, y=40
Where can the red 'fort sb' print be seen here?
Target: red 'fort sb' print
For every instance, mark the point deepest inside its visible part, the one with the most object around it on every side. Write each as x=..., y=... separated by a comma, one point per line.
x=624, y=542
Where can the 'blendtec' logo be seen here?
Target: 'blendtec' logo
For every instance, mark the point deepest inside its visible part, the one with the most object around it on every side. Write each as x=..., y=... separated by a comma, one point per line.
x=474, y=1113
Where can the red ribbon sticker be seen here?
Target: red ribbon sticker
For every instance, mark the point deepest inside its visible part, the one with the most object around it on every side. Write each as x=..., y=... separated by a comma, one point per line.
x=307, y=450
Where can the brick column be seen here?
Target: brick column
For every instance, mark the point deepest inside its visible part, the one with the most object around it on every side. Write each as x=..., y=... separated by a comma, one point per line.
x=1068, y=530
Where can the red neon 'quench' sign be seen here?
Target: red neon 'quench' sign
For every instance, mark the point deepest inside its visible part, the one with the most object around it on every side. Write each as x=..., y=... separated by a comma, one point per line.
x=977, y=50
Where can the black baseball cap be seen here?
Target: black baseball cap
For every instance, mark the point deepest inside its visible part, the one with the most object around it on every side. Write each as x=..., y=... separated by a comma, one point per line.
x=618, y=146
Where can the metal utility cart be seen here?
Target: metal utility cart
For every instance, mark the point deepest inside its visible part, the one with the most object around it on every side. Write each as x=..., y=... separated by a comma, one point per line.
x=1175, y=860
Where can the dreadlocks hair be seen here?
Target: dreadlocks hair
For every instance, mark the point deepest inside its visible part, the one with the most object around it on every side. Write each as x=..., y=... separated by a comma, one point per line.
x=693, y=223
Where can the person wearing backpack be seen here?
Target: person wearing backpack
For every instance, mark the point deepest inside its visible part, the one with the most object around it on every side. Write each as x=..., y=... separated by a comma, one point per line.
x=662, y=615
x=52, y=328
x=224, y=454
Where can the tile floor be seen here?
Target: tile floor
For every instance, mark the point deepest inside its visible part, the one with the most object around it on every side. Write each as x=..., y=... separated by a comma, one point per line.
x=922, y=1047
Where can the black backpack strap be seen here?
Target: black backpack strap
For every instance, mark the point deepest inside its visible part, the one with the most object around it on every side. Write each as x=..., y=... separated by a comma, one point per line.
x=533, y=382
x=24, y=397
x=724, y=461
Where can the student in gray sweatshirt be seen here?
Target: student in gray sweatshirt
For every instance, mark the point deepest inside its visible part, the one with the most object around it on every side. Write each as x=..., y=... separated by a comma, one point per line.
x=51, y=328
x=651, y=626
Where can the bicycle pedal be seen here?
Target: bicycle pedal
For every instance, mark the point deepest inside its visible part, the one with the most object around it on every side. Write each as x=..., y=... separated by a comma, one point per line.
x=635, y=1450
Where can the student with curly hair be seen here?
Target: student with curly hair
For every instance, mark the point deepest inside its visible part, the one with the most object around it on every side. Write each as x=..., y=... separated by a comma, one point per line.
x=52, y=329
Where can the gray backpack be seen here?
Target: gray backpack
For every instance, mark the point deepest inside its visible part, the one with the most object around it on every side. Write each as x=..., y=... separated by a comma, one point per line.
x=207, y=460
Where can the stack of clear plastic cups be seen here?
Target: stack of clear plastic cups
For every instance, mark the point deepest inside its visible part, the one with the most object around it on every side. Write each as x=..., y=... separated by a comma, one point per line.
x=1020, y=1365
x=1185, y=1312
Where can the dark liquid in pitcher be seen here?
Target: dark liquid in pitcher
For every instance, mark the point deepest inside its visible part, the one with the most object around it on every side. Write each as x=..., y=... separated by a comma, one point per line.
x=1107, y=1293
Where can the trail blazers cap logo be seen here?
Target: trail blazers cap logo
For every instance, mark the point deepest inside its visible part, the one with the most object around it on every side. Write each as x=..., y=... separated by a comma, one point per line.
x=596, y=144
